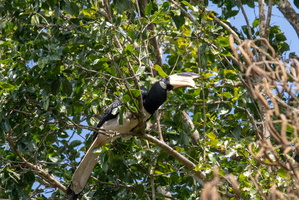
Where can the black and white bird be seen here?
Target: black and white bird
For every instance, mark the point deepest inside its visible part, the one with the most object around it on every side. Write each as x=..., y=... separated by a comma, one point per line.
x=152, y=100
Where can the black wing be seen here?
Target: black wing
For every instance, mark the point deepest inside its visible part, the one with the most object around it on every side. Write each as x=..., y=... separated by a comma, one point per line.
x=144, y=92
x=109, y=112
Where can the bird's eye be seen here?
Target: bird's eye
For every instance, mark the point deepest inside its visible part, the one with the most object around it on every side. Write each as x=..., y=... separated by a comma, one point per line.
x=166, y=80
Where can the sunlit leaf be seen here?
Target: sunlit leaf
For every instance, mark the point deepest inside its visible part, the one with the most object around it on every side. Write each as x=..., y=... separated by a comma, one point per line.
x=54, y=159
x=160, y=71
x=223, y=41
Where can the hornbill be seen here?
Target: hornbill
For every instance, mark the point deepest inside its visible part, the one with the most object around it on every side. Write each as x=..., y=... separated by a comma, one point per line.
x=152, y=100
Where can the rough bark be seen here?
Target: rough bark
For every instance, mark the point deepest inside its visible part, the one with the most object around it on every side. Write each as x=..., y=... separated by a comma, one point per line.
x=289, y=13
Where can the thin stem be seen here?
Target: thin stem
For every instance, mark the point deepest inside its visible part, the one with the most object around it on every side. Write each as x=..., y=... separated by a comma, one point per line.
x=240, y=5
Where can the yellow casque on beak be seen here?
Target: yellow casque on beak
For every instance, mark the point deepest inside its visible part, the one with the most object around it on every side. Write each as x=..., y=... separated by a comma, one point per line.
x=183, y=79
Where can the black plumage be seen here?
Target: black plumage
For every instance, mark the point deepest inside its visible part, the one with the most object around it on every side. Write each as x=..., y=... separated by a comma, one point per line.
x=155, y=98
x=110, y=112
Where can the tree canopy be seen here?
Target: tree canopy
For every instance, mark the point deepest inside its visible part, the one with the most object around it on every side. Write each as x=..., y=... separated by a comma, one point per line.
x=234, y=136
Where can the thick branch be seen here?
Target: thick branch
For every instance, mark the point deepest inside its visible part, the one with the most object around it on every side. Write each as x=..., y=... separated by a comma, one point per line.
x=195, y=134
x=289, y=13
x=262, y=18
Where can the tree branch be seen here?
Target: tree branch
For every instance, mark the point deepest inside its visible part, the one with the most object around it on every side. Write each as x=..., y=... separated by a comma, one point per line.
x=190, y=165
x=216, y=19
x=195, y=134
x=39, y=171
x=289, y=13
x=262, y=18
x=240, y=5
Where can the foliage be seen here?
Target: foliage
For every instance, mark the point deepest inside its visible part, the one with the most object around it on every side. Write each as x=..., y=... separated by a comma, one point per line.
x=62, y=62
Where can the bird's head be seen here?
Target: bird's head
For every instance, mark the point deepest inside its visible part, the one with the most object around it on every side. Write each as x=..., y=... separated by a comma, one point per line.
x=184, y=79
x=158, y=93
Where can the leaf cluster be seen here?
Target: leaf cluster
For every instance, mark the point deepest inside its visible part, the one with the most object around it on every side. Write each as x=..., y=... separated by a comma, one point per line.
x=63, y=62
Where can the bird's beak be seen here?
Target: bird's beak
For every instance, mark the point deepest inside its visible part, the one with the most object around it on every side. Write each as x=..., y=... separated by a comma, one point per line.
x=183, y=79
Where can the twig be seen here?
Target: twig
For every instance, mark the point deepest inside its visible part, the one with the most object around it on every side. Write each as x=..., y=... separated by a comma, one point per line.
x=268, y=19
x=240, y=5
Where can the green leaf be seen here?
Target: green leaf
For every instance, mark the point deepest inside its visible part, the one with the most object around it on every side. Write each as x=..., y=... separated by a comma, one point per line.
x=250, y=3
x=75, y=143
x=178, y=20
x=255, y=23
x=67, y=87
x=129, y=49
x=97, y=150
x=72, y=8
x=148, y=8
x=126, y=98
x=140, y=69
x=213, y=139
x=160, y=20
x=283, y=47
x=135, y=92
x=187, y=4
x=159, y=173
x=223, y=41
x=231, y=13
x=6, y=86
x=226, y=94
x=296, y=3
x=282, y=173
x=46, y=103
x=122, y=111
x=281, y=37
x=160, y=71
x=35, y=20
x=54, y=57
x=55, y=86
x=139, y=190
x=225, y=53
x=42, y=61
x=6, y=126
x=54, y=159
x=229, y=73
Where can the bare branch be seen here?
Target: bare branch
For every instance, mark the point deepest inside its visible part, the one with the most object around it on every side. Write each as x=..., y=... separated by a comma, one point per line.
x=274, y=83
